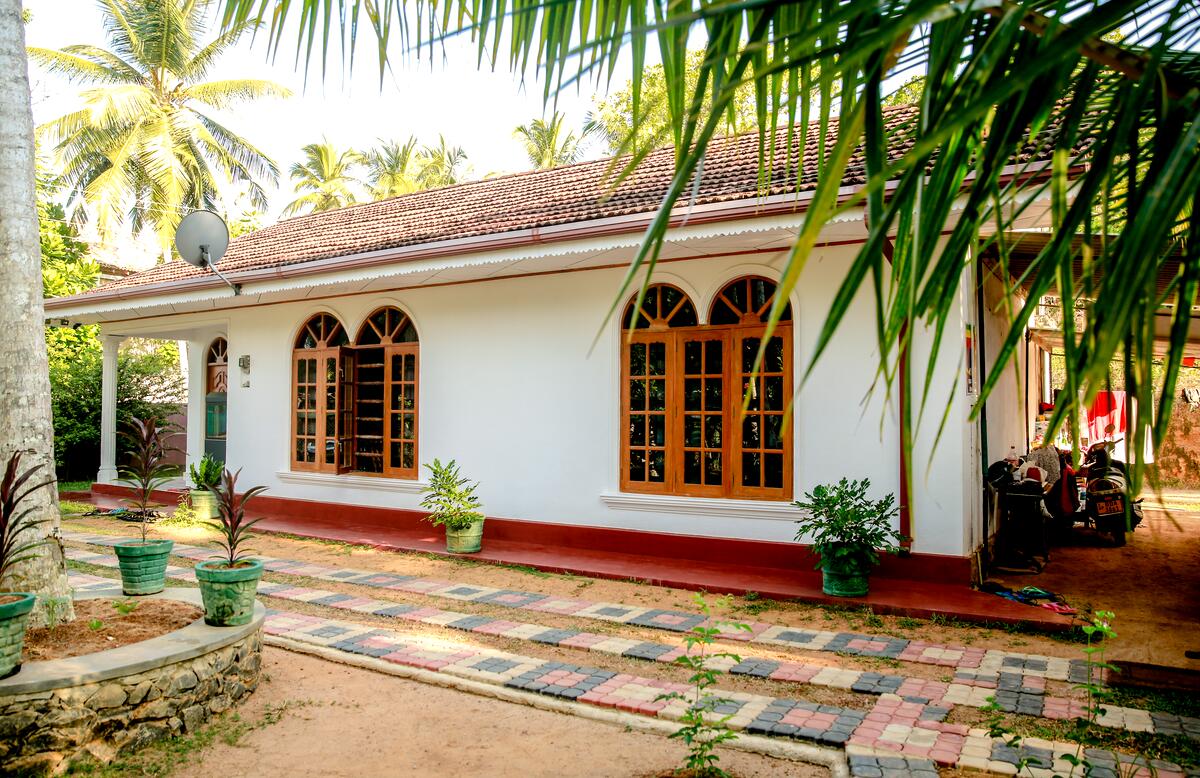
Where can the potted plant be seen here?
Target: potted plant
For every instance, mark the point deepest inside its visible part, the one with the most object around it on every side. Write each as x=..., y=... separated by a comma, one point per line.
x=847, y=531
x=451, y=502
x=14, y=522
x=143, y=562
x=229, y=583
x=205, y=478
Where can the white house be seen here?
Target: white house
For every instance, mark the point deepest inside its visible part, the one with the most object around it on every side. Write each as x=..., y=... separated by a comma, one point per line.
x=469, y=322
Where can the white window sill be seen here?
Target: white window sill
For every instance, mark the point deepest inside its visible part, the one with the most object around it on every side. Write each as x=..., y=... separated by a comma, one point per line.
x=701, y=506
x=351, y=481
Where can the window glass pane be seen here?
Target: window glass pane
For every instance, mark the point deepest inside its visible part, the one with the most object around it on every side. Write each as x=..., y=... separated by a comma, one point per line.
x=722, y=314
x=685, y=317
x=394, y=455
x=637, y=395
x=692, y=357
x=712, y=394
x=773, y=361
x=774, y=431
x=658, y=359
x=407, y=455
x=712, y=432
x=410, y=396
x=410, y=367
x=773, y=471
x=637, y=359
x=712, y=468
x=310, y=424
x=750, y=394
x=691, y=430
x=750, y=433
x=692, y=394
x=408, y=431
x=299, y=449
x=712, y=357
x=691, y=467
x=773, y=393
x=394, y=427
x=657, y=429
x=330, y=452
x=331, y=369
x=637, y=466
x=750, y=466
x=760, y=292
x=736, y=294
x=330, y=424
x=407, y=334
x=749, y=352
x=637, y=431
x=658, y=395
x=656, y=470
x=650, y=304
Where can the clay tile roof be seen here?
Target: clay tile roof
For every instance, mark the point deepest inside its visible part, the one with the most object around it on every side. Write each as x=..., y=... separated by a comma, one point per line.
x=572, y=193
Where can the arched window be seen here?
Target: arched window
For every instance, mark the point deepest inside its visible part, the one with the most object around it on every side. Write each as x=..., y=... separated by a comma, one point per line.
x=322, y=384
x=216, y=386
x=684, y=428
x=385, y=404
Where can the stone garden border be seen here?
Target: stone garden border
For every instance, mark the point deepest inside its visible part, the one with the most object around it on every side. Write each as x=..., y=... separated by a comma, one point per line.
x=117, y=700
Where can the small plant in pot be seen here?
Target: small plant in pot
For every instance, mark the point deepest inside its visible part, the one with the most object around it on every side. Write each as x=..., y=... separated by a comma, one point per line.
x=143, y=562
x=451, y=502
x=205, y=476
x=229, y=583
x=847, y=530
x=15, y=520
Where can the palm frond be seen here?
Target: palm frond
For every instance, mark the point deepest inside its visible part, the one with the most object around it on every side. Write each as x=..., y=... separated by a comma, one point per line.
x=224, y=94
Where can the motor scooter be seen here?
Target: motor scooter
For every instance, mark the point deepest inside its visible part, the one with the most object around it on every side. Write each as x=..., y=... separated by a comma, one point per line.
x=1106, y=503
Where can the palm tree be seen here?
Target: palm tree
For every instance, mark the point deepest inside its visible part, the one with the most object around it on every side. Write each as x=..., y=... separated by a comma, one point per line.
x=325, y=180
x=550, y=144
x=441, y=165
x=25, y=422
x=392, y=168
x=142, y=144
x=998, y=77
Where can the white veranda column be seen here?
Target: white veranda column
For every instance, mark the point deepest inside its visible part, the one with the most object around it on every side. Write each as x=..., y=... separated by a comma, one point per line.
x=197, y=353
x=108, y=411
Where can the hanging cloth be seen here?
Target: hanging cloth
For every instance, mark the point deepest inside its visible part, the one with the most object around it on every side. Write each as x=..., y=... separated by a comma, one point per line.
x=1106, y=417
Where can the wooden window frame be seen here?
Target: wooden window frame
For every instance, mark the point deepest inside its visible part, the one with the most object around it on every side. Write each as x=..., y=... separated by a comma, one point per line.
x=329, y=337
x=371, y=337
x=674, y=340
x=216, y=362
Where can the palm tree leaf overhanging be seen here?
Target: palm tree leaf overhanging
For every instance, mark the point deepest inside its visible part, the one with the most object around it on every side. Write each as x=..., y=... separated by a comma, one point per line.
x=1001, y=77
x=144, y=147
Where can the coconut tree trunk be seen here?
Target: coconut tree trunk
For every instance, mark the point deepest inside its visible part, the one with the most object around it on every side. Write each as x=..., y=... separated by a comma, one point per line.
x=25, y=421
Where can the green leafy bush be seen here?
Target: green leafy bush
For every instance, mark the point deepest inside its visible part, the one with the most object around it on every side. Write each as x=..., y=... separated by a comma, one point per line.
x=845, y=527
x=450, y=497
x=208, y=474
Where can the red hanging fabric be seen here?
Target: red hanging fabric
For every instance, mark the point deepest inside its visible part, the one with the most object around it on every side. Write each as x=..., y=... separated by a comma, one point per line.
x=1106, y=417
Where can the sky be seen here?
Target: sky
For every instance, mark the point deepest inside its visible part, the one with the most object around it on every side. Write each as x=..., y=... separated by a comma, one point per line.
x=475, y=109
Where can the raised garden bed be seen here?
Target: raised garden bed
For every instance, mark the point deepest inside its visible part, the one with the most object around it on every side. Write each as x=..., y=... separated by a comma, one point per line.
x=101, y=625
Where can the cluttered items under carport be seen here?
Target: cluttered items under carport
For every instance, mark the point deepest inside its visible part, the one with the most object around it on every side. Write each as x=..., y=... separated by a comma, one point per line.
x=1033, y=498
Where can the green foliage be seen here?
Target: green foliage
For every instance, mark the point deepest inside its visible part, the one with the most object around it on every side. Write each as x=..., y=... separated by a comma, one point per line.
x=845, y=526
x=95, y=625
x=702, y=730
x=549, y=144
x=1098, y=633
x=450, y=497
x=231, y=522
x=208, y=474
x=149, y=383
x=146, y=468
x=143, y=143
x=17, y=519
x=125, y=607
x=183, y=517
x=326, y=180
x=73, y=508
x=395, y=168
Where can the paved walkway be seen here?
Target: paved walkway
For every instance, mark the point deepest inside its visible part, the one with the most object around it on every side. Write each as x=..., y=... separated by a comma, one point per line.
x=906, y=720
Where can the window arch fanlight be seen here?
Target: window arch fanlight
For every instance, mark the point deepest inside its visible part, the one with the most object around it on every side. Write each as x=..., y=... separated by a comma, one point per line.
x=321, y=331
x=217, y=367
x=385, y=404
x=663, y=306
x=683, y=385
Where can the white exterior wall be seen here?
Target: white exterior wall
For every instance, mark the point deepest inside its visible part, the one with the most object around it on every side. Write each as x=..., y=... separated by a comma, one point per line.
x=511, y=387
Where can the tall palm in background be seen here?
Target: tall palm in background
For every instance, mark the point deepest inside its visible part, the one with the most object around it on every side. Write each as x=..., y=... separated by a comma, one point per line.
x=550, y=143
x=1119, y=120
x=441, y=165
x=326, y=179
x=393, y=168
x=143, y=147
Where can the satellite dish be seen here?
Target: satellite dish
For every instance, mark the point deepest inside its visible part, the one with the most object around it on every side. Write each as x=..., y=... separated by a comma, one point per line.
x=201, y=239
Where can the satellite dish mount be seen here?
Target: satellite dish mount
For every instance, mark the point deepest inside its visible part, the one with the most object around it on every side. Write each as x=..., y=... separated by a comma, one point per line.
x=201, y=240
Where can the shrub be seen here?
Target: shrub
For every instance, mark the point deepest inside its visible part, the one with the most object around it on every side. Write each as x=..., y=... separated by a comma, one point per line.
x=16, y=519
x=845, y=526
x=231, y=524
x=208, y=474
x=450, y=497
x=147, y=468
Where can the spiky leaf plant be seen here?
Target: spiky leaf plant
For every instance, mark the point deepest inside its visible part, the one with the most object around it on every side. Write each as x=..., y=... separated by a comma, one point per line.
x=231, y=524
x=15, y=520
x=147, y=468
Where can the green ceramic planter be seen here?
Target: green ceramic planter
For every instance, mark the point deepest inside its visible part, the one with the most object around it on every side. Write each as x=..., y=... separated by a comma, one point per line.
x=228, y=592
x=204, y=503
x=143, y=565
x=847, y=579
x=13, y=617
x=465, y=541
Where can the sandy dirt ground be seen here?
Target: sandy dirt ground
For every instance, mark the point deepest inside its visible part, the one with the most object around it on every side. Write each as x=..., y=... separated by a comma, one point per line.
x=345, y=721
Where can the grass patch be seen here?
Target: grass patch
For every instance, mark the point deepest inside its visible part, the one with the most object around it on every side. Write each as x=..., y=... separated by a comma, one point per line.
x=1180, y=749
x=1180, y=703
x=74, y=486
x=73, y=508
x=163, y=757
